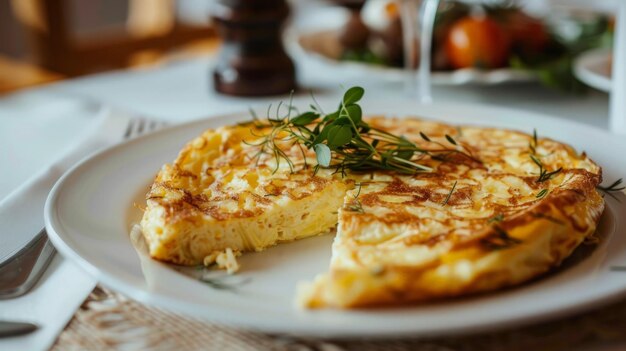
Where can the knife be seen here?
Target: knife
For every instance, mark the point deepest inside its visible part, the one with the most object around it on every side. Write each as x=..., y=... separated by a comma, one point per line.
x=18, y=275
x=15, y=328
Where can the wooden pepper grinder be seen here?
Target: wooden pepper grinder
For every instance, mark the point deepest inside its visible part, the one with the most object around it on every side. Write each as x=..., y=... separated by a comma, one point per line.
x=252, y=61
x=354, y=34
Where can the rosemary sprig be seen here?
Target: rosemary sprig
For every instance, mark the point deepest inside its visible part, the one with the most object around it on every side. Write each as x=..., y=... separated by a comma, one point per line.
x=343, y=141
x=215, y=281
x=445, y=202
x=443, y=155
x=356, y=205
x=542, y=194
x=547, y=217
x=499, y=239
x=358, y=192
x=220, y=284
x=613, y=188
x=532, y=144
x=544, y=175
x=496, y=219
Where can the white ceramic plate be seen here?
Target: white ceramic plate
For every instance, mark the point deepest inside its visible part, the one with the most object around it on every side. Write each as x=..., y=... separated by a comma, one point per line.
x=90, y=210
x=594, y=69
x=314, y=39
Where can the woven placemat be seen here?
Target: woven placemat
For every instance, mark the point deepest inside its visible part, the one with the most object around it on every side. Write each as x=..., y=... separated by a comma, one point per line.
x=110, y=321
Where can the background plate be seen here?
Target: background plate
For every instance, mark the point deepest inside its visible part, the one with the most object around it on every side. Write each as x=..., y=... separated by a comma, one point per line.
x=90, y=210
x=594, y=69
x=314, y=40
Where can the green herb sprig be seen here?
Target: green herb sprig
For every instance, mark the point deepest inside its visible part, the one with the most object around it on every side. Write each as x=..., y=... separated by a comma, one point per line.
x=496, y=219
x=499, y=239
x=532, y=144
x=444, y=153
x=343, y=141
x=356, y=205
x=542, y=194
x=445, y=202
x=221, y=284
x=544, y=175
x=215, y=281
x=615, y=187
x=547, y=217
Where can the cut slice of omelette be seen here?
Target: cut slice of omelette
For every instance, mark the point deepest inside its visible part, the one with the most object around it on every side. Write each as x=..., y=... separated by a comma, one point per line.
x=471, y=225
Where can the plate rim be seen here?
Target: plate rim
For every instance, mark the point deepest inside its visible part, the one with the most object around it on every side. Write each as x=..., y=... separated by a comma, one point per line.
x=119, y=284
x=589, y=76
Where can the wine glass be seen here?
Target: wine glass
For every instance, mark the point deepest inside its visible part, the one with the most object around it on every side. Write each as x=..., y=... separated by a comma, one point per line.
x=418, y=16
x=417, y=19
x=617, y=114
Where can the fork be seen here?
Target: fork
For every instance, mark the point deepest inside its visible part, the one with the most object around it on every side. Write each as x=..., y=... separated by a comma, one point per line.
x=20, y=272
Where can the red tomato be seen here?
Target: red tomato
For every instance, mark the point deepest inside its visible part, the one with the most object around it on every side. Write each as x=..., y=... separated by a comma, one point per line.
x=477, y=42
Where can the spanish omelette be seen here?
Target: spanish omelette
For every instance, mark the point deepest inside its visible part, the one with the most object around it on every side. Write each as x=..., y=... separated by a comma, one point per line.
x=470, y=225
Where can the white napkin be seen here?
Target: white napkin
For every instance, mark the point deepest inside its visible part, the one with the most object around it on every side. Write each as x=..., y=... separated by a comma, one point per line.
x=64, y=286
x=21, y=212
x=51, y=304
x=35, y=128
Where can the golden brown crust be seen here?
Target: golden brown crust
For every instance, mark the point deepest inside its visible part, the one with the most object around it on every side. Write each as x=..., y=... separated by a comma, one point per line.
x=462, y=229
x=481, y=220
x=544, y=243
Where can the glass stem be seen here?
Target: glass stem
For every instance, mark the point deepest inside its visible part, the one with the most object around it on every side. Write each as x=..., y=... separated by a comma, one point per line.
x=428, y=14
x=617, y=112
x=408, y=20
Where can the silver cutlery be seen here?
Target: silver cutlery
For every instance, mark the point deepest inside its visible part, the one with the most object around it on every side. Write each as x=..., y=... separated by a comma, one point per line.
x=21, y=270
x=19, y=273
x=15, y=328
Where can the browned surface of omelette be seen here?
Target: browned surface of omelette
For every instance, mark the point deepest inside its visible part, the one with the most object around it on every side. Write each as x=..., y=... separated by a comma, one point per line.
x=472, y=224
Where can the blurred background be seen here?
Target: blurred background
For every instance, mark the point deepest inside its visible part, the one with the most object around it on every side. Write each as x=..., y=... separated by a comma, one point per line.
x=48, y=40
x=42, y=41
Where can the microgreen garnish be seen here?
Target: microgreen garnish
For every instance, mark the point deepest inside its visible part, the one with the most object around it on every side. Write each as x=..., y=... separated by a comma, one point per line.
x=542, y=194
x=499, y=240
x=343, y=141
x=496, y=219
x=323, y=155
x=613, y=188
x=267, y=143
x=445, y=202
